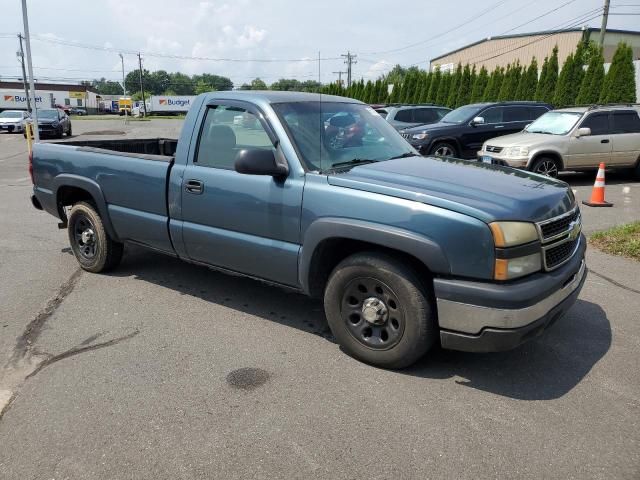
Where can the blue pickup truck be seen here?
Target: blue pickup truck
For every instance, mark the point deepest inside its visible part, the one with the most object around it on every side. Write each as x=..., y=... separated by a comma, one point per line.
x=320, y=194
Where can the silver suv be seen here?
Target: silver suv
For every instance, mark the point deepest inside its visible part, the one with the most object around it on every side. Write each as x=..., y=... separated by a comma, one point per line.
x=407, y=116
x=576, y=138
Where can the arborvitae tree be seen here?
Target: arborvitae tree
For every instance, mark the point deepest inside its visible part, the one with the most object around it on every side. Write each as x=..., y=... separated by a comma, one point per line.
x=479, y=85
x=544, y=73
x=424, y=88
x=620, y=82
x=453, y=88
x=562, y=96
x=528, y=82
x=593, y=79
x=432, y=95
x=493, y=86
x=366, y=92
x=549, y=78
x=395, y=93
x=409, y=87
x=510, y=83
x=464, y=88
x=443, y=89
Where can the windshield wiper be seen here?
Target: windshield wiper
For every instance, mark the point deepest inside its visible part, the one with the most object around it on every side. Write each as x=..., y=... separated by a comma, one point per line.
x=540, y=131
x=403, y=155
x=352, y=163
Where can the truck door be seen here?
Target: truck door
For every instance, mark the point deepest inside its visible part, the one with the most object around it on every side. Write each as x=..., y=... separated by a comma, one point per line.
x=244, y=223
x=475, y=135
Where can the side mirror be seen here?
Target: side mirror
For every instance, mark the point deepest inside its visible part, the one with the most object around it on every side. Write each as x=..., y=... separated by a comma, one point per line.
x=258, y=161
x=583, y=132
x=477, y=121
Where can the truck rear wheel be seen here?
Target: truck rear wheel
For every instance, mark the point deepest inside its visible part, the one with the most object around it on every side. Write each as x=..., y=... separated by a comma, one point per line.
x=92, y=246
x=379, y=311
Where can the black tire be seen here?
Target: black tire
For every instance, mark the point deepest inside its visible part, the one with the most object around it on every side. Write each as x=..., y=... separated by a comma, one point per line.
x=546, y=166
x=410, y=323
x=92, y=246
x=444, y=149
x=69, y=131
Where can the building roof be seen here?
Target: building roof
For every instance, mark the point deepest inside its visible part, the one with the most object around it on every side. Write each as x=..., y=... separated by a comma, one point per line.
x=534, y=34
x=55, y=87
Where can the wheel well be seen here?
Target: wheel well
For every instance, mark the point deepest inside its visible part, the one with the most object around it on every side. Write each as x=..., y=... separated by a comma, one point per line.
x=556, y=156
x=451, y=141
x=331, y=252
x=68, y=195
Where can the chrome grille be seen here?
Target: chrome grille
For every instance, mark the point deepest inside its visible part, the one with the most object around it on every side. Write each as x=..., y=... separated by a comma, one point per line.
x=559, y=225
x=560, y=238
x=406, y=135
x=558, y=254
x=492, y=149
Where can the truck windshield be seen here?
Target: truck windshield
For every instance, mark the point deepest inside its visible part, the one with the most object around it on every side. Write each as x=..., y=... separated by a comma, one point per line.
x=335, y=135
x=47, y=114
x=554, y=123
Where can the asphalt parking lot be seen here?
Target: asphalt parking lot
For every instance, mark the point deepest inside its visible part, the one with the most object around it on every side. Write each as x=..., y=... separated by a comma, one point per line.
x=167, y=370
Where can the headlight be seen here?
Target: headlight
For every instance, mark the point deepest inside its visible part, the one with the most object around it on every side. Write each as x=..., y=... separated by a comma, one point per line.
x=516, y=151
x=54, y=124
x=507, y=269
x=509, y=234
x=419, y=136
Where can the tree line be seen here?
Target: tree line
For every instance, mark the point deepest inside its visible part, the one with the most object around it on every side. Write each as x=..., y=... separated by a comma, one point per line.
x=581, y=81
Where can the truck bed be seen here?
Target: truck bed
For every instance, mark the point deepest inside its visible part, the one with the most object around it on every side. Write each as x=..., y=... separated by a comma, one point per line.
x=145, y=146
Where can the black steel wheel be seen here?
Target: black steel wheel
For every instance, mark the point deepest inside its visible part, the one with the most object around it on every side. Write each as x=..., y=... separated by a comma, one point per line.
x=379, y=310
x=372, y=313
x=92, y=246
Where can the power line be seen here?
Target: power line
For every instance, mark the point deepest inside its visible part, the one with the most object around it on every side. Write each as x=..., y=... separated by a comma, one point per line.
x=539, y=16
x=440, y=35
x=176, y=56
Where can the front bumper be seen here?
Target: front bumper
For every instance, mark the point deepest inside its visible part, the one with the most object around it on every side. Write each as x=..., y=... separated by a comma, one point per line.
x=480, y=317
x=499, y=159
x=11, y=127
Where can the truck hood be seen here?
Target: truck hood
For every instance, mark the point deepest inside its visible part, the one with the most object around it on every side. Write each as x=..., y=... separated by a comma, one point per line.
x=432, y=127
x=486, y=192
x=523, y=139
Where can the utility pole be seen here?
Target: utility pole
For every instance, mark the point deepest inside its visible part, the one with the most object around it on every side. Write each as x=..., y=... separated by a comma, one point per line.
x=605, y=17
x=124, y=88
x=350, y=59
x=24, y=73
x=339, y=73
x=27, y=38
x=144, y=102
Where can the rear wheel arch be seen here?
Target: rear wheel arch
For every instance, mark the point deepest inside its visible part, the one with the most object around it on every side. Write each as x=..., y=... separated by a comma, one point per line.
x=72, y=189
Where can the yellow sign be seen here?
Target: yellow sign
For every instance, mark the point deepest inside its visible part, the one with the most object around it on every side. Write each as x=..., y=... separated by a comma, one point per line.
x=76, y=94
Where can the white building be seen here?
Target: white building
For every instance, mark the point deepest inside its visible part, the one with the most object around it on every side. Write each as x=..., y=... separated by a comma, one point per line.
x=48, y=95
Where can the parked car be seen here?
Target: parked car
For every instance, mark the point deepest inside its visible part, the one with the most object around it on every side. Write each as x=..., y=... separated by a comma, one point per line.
x=406, y=116
x=77, y=111
x=462, y=132
x=53, y=122
x=575, y=138
x=13, y=120
x=399, y=246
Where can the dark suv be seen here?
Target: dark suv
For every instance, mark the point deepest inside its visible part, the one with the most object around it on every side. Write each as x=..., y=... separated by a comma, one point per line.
x=462, y=132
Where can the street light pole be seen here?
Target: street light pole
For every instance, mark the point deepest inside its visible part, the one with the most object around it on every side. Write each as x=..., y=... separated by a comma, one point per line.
x=27, y=38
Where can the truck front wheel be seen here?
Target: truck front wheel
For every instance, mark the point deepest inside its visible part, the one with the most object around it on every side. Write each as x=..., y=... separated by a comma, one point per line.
x=92, y=246
x=379, y=311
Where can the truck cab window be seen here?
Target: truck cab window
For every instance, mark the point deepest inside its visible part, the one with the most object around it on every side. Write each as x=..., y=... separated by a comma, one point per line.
x=226, y=131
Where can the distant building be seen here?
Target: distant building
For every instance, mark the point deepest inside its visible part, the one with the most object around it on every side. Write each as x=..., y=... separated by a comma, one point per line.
x=500, y=51
x=12, y=96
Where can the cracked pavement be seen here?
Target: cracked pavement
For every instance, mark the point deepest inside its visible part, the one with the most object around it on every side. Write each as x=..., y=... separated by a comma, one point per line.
x=167, y=370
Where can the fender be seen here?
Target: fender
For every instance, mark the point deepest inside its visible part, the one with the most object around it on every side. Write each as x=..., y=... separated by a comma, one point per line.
x=419, y=246
x=91, y=186
x=553, y=153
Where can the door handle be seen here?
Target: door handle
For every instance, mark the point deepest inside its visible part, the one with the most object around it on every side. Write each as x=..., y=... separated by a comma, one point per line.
x=499, y=126
x=194, y=186
x=606, y=140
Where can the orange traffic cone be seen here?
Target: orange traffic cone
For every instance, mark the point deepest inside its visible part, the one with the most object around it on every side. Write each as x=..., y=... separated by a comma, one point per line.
x=597, y=194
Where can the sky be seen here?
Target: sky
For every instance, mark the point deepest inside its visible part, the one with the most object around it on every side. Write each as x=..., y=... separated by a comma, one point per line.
x=244, y=39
